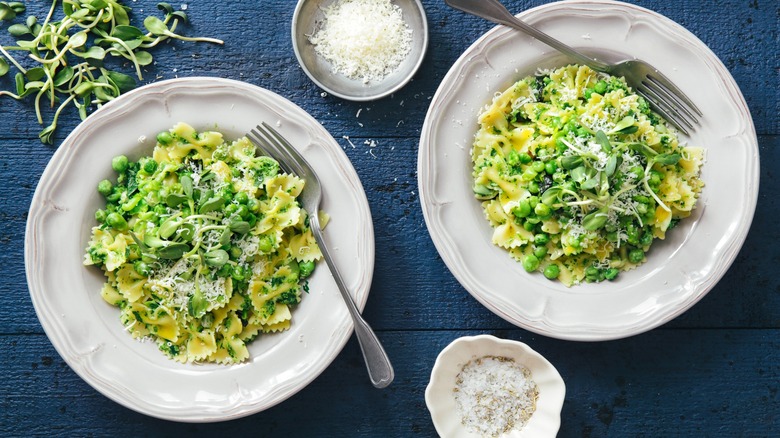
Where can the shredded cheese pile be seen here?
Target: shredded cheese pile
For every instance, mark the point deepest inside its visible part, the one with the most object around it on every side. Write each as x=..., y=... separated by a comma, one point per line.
x=363, y=39
x=495, y=395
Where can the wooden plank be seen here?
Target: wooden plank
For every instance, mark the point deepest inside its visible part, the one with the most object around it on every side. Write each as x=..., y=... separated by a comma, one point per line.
x=665, y=383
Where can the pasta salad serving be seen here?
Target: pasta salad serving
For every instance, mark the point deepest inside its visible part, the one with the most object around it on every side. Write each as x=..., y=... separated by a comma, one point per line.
x=578, y=177
x=204, y=245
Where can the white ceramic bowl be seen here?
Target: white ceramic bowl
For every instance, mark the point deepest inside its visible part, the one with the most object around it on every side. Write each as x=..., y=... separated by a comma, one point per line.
x=440, y=398
x=306, y=19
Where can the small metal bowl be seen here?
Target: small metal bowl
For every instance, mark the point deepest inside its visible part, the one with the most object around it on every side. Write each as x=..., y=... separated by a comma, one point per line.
x=308, y=17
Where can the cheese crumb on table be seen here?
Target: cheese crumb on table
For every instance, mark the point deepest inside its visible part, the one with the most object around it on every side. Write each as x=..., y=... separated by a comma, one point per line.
x=363, y=39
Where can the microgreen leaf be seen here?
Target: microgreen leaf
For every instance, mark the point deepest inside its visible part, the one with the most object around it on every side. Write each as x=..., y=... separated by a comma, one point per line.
x=212, y=204
x=578, y=174
x=143, y=58
x=216, y=258
x=124, y=82
x=127, y=33
x=595, y=220
x=667, y=159
x=45, y=135
x=173, y=251
x=3, y=67
x=35, y=74
x=603, y=140
x=612, y=163
x=63, y=76
x=571, y=161
x=550, y=196
x=6, y=13
x=197, y=304
x=623, y=124
x=186, y=185
x=78, y=39
x=19, y=29
x=174, y=200
x=155, y=26
x=181, y=15
x=590, y=183
x=240, y=227
x=165, y=7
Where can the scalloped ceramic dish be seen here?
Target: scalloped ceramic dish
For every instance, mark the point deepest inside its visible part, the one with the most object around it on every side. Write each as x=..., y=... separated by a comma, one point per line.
x=439, y=396
x=86, y=331
x=679, y=270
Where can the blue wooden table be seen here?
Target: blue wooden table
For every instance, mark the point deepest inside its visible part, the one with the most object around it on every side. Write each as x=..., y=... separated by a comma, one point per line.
x=714, y=371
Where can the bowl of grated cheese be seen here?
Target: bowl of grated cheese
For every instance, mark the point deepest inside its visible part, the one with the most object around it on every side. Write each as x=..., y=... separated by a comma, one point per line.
x=360, y=50
x=483, y=386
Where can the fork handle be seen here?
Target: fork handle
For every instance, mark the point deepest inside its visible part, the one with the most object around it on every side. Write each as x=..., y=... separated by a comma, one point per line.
x=494, y=11
x=380, y=371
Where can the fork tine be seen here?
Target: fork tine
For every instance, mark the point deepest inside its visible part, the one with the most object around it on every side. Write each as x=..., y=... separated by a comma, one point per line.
x=667, y=96
x=288, y=149
x=260, y=138
x=281, y=148
x=663, y=111
x=668, y=86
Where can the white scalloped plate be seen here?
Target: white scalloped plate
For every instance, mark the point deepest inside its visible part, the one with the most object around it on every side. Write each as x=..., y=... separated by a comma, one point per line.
x=680, y=270
x=86, y=331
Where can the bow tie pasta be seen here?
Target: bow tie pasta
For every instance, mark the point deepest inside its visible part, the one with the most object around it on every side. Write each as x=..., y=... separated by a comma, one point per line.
x=204, y=245
x=578, y=176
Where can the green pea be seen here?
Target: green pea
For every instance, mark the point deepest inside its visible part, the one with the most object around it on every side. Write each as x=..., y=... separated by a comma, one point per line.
x=525, y=158
x=231, y=209
x=528, y=175
x=530, y=263
x=582, y=132
x=306, y=268
x=116, y=221
x=529, y=226
x=636, y=255
x=552, y=271
x=533, y=187
x=612, y=236
x=105, y=187
x=560, y=146
x=164, y=138
x=253, y=205
x=251, y=218
x=646, y=239
x=600, y=87
x=225, y=271
x=637, y=171
x=550, y=167
x=540, y=252
x=542, y=210
x=538, y=166
x=523, y=209
x=150, y=166
x=101, y=215
x=588, y=93
x=120, y=163
x=266, y=244
x=533, y=201
x=592, y=272
x=242, y=211
x=512, y=158
x=241, y=197
x=235, y=252
x=541, y=239
x=611, y=273
x=141, y=268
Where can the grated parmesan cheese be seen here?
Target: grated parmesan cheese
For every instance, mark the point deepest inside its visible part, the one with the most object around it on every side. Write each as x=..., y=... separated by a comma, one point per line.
x=495, y=395
x=363, y=39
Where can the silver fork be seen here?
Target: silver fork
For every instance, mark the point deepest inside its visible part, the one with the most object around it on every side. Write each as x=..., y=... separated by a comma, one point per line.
x=662, y=95
x=271, y=143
